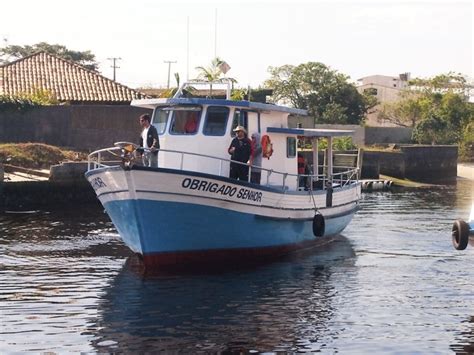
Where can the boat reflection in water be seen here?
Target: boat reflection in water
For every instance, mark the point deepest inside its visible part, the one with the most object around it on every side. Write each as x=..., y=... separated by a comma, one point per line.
x=284, y=306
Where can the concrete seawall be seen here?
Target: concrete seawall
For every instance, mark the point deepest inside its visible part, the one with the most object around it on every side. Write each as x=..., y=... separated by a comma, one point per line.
x=420, y=163
x=50, y=195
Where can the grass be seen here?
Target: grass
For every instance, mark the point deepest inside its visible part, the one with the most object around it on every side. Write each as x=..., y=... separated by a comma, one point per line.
x=36, y=155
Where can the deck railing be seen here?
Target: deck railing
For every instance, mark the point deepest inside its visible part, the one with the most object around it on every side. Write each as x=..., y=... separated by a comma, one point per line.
x=345, y=175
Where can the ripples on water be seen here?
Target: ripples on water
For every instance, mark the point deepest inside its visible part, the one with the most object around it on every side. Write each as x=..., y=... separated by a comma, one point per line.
x=395, y=285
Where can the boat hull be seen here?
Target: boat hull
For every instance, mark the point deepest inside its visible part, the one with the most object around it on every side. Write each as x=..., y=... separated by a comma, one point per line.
x=173, y=217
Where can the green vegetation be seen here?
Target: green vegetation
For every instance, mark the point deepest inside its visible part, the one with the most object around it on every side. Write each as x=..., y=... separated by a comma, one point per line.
x=325, y=93
x=338, y=143
x=214, y=72
x=35, y=155
x=23, y=102
x=438, y=111
x=13, y=52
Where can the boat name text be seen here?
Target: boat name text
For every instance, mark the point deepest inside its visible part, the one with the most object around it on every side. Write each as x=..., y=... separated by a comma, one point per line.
x=208, y=186
x=97, y=183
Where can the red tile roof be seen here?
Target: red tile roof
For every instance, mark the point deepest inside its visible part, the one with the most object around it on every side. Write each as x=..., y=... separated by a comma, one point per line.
x=68, y=81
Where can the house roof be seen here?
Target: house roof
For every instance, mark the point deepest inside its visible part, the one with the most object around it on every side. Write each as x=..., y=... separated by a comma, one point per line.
x=67, y=80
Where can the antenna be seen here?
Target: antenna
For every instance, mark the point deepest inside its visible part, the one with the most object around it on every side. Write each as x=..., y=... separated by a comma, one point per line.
x=169, y=69
x=215, y=35
x=187, y=51
x=114, y=63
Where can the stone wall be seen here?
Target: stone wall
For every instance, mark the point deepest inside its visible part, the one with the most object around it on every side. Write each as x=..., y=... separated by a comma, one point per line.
x=87, y=127
x=378, y=135
x=430, y=162
x=420, y=163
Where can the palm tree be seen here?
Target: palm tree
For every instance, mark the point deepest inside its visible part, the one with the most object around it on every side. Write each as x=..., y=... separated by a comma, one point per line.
x=213, y=73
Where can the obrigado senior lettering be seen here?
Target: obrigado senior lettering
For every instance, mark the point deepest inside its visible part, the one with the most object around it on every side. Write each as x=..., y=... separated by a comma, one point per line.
x=223, y=189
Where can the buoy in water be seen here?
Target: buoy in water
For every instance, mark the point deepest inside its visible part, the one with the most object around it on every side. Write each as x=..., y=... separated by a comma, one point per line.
x=460, y=234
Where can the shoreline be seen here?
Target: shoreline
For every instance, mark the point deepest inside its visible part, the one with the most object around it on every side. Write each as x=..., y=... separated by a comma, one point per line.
x=466, y=170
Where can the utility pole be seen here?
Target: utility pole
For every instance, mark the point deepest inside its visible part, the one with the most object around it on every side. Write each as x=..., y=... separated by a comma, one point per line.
x=114, y=63
x=169, y=69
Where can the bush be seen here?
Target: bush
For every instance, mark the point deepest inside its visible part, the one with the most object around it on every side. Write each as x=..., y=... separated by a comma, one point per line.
x=26, y=101
x=35, y=155
x=466, y=146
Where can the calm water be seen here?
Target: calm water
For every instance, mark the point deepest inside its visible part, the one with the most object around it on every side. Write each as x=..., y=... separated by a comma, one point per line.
x=393, y=284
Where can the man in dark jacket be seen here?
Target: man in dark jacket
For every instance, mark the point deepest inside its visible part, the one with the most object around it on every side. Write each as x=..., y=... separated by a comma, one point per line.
x=150, y=141
x=240, y=150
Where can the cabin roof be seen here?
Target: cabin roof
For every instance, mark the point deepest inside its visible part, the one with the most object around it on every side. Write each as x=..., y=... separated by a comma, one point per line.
x=257, y=106
x=311, y=132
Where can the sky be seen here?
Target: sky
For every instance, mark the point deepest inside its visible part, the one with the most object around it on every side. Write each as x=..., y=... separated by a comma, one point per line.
x=356, y=38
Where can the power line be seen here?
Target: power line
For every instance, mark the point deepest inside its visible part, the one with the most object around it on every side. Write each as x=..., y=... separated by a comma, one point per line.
x=114, y=63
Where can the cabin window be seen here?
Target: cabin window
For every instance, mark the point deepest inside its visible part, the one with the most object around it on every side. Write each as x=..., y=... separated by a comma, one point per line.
x=241, y=118
x=216, y=121
x=290, y=147
x=160, y=118
x=185, y=121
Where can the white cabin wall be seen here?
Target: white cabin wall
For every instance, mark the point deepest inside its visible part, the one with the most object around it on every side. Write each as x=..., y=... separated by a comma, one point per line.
x=278, y=161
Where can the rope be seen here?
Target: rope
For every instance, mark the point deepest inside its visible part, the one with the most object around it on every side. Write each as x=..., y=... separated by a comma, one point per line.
x=310, y=191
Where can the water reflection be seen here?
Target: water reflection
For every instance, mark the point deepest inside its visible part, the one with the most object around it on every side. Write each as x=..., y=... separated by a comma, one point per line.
x=465, y=340
x=283, y=306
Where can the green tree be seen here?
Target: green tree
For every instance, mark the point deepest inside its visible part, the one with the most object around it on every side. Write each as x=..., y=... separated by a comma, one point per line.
x=213, y=73
x=437, y=109
x=14, y=52
x=325, y=93
x=407, y=111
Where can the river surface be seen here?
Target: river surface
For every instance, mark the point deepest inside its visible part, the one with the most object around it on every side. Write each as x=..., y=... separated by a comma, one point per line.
x=392, y=283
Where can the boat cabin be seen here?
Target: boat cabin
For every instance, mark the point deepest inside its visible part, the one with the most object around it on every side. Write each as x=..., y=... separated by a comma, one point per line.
x=195, y=134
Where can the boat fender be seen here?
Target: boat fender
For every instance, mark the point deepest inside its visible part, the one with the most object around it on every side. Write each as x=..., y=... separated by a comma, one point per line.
x=318, y=225
x=460, y=234
x=267, y=146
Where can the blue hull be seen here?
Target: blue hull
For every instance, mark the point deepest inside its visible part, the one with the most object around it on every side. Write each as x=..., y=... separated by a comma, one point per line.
x=158, y=227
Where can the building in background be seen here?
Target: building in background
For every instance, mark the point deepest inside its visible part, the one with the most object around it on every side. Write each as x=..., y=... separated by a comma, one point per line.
x=68, y=81
x=385, y=89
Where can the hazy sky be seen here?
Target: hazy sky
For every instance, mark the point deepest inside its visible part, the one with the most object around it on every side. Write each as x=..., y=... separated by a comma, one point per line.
x=357, y=38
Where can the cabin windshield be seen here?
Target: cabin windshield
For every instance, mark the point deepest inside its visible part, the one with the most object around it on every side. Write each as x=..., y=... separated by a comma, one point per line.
x=160, y=118
x=185, y=120
x=240, y=119
x=216, y=121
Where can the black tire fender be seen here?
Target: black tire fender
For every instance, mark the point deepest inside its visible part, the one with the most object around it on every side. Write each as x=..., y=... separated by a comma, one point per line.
x=460, y=234
x=318, y=225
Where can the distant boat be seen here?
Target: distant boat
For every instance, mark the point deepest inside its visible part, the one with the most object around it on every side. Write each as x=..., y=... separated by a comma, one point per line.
x=188, y=210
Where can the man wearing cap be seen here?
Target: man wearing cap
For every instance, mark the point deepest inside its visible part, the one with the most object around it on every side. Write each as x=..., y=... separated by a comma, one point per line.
x=240, y=149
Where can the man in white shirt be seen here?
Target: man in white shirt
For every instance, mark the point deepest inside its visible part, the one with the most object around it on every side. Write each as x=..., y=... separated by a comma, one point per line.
x=150, y=141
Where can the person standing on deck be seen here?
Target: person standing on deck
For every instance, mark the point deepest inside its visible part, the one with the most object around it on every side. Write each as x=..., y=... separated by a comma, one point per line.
x=149, y=140
x=256, y=159
x=240, y=150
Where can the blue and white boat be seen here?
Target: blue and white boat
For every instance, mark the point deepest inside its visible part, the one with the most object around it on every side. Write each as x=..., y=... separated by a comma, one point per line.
x=189, y=211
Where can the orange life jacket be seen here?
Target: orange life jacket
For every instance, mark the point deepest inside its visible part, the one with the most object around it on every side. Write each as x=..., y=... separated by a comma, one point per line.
x=267, y=147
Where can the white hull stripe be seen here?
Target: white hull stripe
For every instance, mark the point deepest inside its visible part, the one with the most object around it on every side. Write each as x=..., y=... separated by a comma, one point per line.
x=221, y=200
